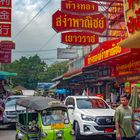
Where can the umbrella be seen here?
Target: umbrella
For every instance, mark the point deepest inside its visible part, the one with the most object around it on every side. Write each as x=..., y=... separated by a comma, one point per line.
x=134, y=100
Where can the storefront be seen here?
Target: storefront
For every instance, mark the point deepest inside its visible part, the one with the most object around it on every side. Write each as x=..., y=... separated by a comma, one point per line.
x=113, y=64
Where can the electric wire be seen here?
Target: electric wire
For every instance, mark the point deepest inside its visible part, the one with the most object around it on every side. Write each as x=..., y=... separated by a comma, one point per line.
x=31, y=20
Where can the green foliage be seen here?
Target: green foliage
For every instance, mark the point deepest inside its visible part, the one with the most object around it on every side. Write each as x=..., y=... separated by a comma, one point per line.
x=32, y=70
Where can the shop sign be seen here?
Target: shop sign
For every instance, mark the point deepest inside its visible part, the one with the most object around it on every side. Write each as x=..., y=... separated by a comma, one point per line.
x=5, y=55
x=79, y=38
x=79, y=6
x=7, y=44
x=105, y=51
x=65, y=22
x=5, y=3
x=132, y=15
x=5, y=30
x=63, y=53
x=133, y=66
x=5, y=15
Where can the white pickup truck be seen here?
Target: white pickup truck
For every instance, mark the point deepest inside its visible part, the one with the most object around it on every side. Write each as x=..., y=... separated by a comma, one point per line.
x=90, y=115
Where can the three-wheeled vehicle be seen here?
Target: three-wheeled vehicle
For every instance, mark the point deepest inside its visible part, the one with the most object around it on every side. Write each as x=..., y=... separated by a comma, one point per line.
x=45, y=119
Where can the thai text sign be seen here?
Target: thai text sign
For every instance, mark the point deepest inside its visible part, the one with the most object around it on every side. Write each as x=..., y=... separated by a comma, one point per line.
x=63, y=22
x=132, y=15
x=5, y=55
x=63, y=53
x=7, y=44
x=79, y=6
x=79, y=38
x=5, y=30
x=127, y=68
x=5, y=15
x=105, y=51
x=5, y=3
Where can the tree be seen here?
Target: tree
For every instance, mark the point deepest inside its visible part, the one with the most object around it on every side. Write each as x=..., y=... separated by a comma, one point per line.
x=55, y=70
x=28, y=70
x=32, y=70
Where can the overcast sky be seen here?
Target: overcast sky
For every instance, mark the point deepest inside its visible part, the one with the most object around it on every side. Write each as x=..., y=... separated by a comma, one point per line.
x=38, y=33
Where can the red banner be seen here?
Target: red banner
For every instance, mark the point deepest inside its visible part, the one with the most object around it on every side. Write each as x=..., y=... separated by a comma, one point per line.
x=5, y=3
x=79, y=6
x=79, y=38
x=7, y=44
x=5, y=15
x=5, y=30
x=105, y=51
x=5, y=55
x=64, y=22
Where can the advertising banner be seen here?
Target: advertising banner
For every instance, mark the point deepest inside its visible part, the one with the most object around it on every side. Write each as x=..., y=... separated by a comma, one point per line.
x=5, y=15
x=79, y=38
x=64, y=22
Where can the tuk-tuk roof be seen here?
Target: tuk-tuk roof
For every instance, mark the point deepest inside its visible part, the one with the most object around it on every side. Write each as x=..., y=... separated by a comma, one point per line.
x=39, y=103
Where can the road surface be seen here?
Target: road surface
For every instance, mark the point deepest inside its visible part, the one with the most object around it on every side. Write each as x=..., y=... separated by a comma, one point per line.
x=8, y=133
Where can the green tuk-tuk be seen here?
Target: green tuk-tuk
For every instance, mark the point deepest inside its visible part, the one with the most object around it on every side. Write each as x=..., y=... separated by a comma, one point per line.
x=45, y=119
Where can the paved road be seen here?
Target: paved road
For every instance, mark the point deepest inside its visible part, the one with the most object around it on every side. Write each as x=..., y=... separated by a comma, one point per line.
x=8, y=133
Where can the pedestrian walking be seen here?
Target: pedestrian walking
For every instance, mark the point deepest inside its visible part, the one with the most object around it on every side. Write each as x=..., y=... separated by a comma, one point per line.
x=124, y=120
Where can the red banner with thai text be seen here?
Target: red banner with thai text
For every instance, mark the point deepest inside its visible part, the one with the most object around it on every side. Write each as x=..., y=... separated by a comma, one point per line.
x=65, y=22
x=79, y=6
x=79, y=38
x=5, y=55
x=105, y=51
x=7, y=44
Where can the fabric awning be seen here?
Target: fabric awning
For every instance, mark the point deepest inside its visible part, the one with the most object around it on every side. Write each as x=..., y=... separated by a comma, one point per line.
x=5, y=74
x=131, y=42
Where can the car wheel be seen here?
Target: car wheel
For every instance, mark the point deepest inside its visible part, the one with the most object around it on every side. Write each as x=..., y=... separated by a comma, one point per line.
x=77, y=131
x=16, y=137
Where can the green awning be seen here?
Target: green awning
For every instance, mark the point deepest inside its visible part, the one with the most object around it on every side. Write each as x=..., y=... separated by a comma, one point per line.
x=5, y=74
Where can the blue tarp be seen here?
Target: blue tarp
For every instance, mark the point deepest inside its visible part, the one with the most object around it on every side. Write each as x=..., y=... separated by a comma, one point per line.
x=44, y=85
x=62, y=91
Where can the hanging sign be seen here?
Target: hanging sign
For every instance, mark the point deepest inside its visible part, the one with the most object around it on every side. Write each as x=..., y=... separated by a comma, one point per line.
x=5, y=3
x=5, y=15
x=79, y=38
x=5, y=30
x=7, y=44
x=79, y=6
x=65, y=22
x=5, y=55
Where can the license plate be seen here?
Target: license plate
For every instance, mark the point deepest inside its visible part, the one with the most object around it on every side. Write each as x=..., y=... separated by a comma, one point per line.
x=108, y=130
x=57, y=126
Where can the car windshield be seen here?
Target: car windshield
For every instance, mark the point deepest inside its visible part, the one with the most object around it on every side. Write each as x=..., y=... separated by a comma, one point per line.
x=11, y=103
x=54, y=116
x=91, y=104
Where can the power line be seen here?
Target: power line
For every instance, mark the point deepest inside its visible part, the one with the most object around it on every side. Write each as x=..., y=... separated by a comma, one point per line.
x=31, y=20
x=30, y=51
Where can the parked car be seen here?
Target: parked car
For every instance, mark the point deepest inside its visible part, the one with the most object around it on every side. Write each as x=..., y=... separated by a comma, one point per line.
x=10, y=112
x=90, y=116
